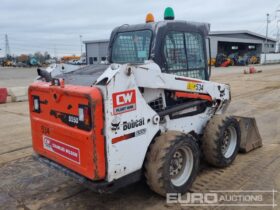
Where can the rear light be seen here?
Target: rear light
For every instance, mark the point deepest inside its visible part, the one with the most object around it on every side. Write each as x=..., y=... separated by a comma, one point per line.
x=81, y=114
x=85, y=116
x=36, y=103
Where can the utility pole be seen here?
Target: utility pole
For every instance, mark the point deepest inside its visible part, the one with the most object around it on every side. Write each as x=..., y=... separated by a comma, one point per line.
x=7, y=46
x=278, y=35
x=81, y=44
x=278, y=38
x=54, y=51
x=266, y=45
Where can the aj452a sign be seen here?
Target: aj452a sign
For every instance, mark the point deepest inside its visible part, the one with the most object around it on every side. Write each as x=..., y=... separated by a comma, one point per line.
x=124, y=101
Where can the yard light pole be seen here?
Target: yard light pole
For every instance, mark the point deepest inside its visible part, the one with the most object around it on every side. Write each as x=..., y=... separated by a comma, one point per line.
x=278, y=35
x=81, y=44
x=278, y=38
x=265, y=46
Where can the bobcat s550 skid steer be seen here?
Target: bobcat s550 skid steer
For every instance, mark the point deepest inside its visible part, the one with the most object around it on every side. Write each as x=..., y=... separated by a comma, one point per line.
x=151, y=112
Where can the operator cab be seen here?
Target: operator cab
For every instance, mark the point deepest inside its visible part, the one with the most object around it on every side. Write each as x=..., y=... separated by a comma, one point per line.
x=178, y=47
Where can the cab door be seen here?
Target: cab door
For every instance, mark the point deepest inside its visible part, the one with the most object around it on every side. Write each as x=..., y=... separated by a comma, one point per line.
x=184, y=54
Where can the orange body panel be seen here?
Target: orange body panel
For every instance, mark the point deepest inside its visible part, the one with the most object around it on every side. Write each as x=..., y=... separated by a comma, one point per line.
x=193, y=95
x=82, y=151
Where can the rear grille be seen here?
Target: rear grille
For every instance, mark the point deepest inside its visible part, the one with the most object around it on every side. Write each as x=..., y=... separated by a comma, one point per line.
x=157, y=105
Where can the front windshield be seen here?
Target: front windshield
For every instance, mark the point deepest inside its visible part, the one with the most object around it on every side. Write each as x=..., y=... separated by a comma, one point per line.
x=132, y=47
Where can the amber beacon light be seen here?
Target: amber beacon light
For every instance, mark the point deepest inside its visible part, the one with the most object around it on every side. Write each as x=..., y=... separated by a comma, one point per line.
x=150, y=18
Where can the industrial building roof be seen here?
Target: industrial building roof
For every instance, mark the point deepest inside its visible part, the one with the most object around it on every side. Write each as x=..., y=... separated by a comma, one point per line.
x=212, y=33
x=216, y=33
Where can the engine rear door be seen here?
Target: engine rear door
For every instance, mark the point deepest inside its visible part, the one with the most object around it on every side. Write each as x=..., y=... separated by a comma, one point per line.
x=67, y=126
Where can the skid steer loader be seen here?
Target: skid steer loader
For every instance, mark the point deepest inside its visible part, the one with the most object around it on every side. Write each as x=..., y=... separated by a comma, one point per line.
x=152, y=112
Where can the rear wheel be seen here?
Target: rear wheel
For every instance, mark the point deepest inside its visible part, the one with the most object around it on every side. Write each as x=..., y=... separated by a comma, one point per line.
x=172, y=163
x=221, y=140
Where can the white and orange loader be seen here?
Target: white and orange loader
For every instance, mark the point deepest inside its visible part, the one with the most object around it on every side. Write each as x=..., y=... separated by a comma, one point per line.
x=151, y=111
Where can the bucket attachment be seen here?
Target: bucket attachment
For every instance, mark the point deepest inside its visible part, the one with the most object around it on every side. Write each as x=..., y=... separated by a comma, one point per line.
x=250, y=136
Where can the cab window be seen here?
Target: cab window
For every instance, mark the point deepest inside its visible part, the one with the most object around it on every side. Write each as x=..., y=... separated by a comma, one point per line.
x=194, y=47
x=184, y=54
x=132, y=47
x=174, y=51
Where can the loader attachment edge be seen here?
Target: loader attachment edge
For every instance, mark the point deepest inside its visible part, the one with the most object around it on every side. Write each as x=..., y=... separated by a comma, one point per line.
x=250, y=136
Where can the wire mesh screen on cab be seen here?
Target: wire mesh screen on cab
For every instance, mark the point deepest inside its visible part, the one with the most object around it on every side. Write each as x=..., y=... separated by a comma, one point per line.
x=132, y=47
x=184, y=54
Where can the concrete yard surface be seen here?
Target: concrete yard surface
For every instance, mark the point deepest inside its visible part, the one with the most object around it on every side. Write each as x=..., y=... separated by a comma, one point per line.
x=15, y=133
x=27, y=184
x=16, y=77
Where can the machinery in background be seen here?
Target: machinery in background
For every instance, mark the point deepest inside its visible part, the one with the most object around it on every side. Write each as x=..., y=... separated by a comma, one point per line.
x=34, y=62
x=7, y=63
x=67, y=59
x=235, y=59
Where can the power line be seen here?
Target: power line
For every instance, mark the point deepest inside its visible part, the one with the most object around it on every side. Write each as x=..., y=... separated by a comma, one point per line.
x=261, y=28
x=50, y=43
x=49, y=47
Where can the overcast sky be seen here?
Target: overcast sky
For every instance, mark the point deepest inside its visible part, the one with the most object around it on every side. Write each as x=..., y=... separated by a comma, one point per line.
x=56, y=25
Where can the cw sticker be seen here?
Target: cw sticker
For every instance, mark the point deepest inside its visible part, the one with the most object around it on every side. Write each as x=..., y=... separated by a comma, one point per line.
x=124, y=101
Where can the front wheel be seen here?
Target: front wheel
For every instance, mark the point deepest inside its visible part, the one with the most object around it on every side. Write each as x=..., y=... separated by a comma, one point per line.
x=172, y=163
x=221, y=140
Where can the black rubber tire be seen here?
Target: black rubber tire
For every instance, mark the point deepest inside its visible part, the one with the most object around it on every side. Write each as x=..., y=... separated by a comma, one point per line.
x=213, y=137
x=158, y=160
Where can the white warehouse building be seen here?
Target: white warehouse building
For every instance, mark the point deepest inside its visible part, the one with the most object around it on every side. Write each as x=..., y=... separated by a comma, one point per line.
x=96, y=51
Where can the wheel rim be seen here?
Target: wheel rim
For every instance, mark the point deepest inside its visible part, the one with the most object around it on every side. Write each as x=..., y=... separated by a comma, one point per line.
x=181, y=166
x=229, y=142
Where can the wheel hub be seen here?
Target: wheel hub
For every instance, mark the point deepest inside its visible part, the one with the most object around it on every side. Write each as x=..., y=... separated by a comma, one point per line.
x=226, y=140
x=176, y=163
x=229, y=141
x=181, y=166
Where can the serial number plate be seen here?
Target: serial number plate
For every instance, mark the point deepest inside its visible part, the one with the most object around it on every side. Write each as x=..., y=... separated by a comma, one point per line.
x=195, y=86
